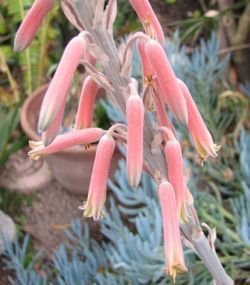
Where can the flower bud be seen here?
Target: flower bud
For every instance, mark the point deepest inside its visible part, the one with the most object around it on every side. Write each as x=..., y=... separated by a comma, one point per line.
x=31, y=23
x=99, y=177
x=169, y=87
x=135, y=121
x=175, y=168
x=56, y=94
x=84, y=116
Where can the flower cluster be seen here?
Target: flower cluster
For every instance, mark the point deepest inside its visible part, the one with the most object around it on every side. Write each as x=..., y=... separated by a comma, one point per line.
x=162, y=93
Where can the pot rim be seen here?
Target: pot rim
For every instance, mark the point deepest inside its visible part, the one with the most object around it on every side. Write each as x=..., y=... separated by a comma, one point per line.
x=31, y=133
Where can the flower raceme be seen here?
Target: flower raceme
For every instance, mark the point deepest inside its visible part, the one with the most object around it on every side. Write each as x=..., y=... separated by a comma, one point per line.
x=172, y=239
x=76, y=137
x=31, y=23
x=197, y=128
x=135, y=121
x=148, y=19
x=84, y=116
x=56, y=94
x=170, y=90
x=99, y=177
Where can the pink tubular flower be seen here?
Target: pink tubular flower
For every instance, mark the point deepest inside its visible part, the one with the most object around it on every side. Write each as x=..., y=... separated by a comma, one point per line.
x=98, y=182
x=31, y=23
x=168, y=84
x=66, y=140
x=147, y=68
x=148, y=19
x=135, y=121
x=197, y=128
x=175, y=167
x=172, y=239
x=49, y=135
x=84, y=116
x=55, y=96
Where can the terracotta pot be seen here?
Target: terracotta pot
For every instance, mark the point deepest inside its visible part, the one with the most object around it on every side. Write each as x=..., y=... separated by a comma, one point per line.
x=72, y=167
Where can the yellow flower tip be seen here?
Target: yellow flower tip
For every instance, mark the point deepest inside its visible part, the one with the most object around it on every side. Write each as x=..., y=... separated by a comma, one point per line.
x=205, y=153
x=217, y=147
x=34, y=156
x=90, y=211
x=184, y=214
x=179, y=268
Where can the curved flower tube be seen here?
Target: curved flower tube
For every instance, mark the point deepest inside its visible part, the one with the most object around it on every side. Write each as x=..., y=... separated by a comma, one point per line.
x=148, y=19
x=197, y=128
x=31, y=23
x=50, y=134
x=170, y=90
x=56, y=94
x=64, y=141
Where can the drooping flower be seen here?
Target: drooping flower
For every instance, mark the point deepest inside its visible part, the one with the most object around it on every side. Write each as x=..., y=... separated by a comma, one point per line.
x=99, y=177
x=175, y=167
x=49, y=135
x=84, y=116
x=56, y=94
x=172, y=240
x=147, y=69
x=168, y=83
x=197, y=128
x=148, y=19
x=64, y=141
x=135, y=122
x=152, y=97
x=31, y=23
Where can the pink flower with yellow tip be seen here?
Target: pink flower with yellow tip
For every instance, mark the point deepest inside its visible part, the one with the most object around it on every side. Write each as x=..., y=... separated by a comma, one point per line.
x=56, y=94
x=168, y=84
x=99, y=177
x=64, y=141
x=197, y=128
x=31, y=23
x=148, y=19
x=84, y=116
x=172, y=240
x=135, y=122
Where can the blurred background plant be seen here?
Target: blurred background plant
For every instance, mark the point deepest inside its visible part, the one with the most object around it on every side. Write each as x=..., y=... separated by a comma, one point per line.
x=22, y=73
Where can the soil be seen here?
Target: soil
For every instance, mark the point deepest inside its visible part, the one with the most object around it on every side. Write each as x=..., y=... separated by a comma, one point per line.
x=51, y=213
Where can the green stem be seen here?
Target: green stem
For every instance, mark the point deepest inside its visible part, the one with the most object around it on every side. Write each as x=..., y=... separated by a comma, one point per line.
x=28, y=79
x=42, y=44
